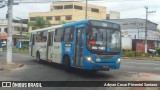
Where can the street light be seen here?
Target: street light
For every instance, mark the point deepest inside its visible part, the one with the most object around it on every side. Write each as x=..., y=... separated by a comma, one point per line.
x=146, y=26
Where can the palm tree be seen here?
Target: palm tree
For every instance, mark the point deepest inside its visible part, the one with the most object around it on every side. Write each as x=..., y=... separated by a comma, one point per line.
x=39, y=22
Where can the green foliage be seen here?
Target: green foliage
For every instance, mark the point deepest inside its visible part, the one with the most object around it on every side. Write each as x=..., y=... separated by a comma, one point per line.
x=158, y=50
x=138, y=54
x=24, y=51
x=28, y=35
x=39, y=22
x=62, y=22
x=16, y=50
x=128, y=54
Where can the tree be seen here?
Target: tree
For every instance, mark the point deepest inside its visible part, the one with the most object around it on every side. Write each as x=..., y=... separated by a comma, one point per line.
x=39, y=22
x=62, y=22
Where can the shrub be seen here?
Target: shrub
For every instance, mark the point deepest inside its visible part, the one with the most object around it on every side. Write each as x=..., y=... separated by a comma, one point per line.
x=158, y=50
x=128, y=54
x=138, y=54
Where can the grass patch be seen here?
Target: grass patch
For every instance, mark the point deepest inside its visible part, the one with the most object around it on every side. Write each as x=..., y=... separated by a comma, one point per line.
x=15, y=50
x=140, y=55
x=25, y=51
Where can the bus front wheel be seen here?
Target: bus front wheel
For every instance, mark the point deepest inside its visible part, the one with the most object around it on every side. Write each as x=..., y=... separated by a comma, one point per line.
x=66, y=64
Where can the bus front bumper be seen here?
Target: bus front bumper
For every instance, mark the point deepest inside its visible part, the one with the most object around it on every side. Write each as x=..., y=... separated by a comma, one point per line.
x=101, y=66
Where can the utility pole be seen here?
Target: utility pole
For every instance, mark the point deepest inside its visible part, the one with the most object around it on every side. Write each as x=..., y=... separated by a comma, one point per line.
x=146, y=29
x=9, y=38
x=146, y=26
x=86, y=9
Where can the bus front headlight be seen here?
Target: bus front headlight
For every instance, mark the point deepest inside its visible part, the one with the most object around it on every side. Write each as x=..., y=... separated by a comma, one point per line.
x=118, y=60
x=89, y=59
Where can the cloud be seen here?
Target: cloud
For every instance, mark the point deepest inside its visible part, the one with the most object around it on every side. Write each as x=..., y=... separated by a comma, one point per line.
x=127, y=8
x=23, y=9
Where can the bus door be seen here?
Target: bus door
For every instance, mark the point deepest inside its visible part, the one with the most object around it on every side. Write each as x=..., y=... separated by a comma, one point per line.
x=50, y=46
x=32, y=45
x=57, y=48
x=79, y=46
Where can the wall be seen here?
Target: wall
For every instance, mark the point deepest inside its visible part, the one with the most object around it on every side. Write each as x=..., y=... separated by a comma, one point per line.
x=140, y=45
x=114, y=15
x=75, y=13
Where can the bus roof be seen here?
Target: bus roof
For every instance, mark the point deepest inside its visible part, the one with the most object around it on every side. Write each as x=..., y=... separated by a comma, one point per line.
x=57, y=26
x=70, y=24
x=84, y=21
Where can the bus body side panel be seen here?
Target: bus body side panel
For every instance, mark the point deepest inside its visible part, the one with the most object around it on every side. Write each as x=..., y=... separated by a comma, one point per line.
x=68, y=48
x=54, y=52
x=57, y=52
x=42, y=48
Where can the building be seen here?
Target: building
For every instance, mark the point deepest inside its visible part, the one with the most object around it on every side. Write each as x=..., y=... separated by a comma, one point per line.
x=69, y=11
x=19, y=26
x=113, y=15
x=134, y=28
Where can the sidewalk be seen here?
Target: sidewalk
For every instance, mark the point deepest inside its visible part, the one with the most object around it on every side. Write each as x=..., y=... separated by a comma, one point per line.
x=142, y=58
x=5, y=66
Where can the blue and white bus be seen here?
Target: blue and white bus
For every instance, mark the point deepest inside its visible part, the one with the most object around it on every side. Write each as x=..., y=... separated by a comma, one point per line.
x=86, y=44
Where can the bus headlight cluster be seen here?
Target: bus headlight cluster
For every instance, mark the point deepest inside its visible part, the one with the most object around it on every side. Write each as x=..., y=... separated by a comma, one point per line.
x=89, y=59
x=118, y=60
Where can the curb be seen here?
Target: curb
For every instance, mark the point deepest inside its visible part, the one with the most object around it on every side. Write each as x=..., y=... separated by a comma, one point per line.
x=148, y=75
x=146, y=59
x=20, y=65
x=11, y=66
x=1, y=68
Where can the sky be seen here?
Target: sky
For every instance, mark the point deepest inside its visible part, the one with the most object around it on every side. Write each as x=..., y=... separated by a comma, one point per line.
x=127, y=8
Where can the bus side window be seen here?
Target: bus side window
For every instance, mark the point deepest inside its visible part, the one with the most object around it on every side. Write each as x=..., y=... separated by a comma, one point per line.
x=50, y=39
x=58, y=35
x=38, y=37
x=44, y=36
x=68, y=34
x=33, y=39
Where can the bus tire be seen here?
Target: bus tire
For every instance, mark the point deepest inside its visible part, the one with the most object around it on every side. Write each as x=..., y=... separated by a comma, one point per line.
x=38, y=57
x=66, y=64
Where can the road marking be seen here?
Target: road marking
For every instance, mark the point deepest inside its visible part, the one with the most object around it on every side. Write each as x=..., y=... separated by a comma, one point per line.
x=148, y=75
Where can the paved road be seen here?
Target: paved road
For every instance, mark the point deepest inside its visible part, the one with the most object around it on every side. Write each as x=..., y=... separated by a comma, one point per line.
x=34, y=71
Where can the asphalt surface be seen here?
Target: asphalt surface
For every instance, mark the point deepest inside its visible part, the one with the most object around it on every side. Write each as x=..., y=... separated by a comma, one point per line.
x=34, y=71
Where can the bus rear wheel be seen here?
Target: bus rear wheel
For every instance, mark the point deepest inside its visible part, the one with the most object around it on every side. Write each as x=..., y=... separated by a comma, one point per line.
x=66, y=64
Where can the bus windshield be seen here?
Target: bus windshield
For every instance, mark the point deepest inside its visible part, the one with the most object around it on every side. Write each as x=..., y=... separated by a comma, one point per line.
x=104, y=39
